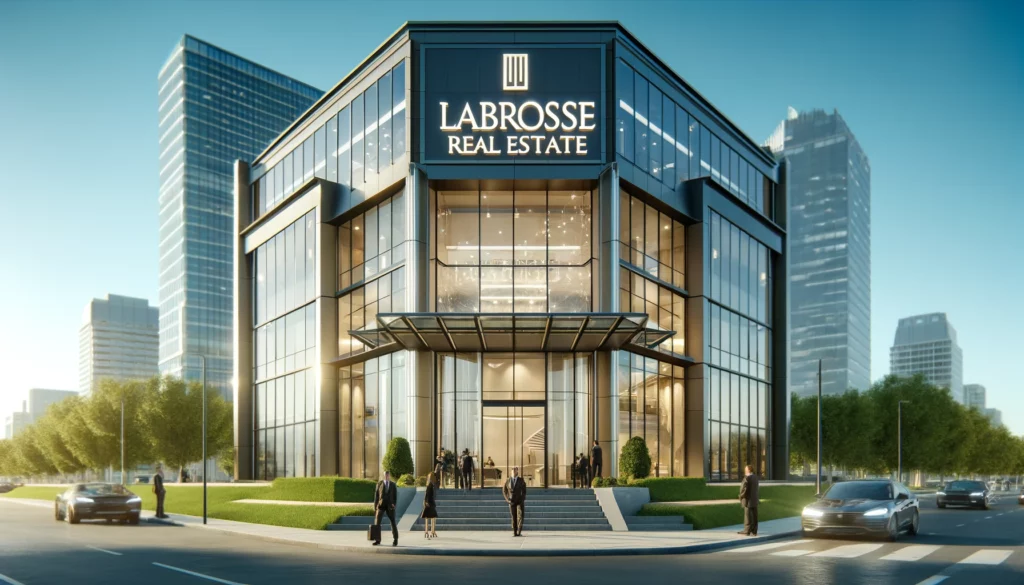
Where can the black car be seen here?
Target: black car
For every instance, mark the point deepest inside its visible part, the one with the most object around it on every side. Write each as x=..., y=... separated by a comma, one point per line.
x=92, y=501
x=964, y=493
x=863, y=508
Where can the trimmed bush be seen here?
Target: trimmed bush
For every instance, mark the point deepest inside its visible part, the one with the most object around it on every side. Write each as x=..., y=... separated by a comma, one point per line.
x=603, y=482
x=321, y=489
x=635, y=460
x=398, y=458
x=406, y=480
x=421, y=481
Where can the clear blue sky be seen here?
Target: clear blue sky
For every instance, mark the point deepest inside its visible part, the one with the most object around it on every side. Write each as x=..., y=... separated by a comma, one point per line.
x=933, y=91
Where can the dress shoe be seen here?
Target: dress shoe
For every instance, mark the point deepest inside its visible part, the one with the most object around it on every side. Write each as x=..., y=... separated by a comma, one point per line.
x=376, y=544
x=395, y=543
x=743, y=533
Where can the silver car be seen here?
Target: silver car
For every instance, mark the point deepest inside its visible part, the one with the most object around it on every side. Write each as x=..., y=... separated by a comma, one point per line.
x=881, y=508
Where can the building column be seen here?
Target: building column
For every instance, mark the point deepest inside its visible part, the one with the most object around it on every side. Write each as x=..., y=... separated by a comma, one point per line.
x=242, y=383
x=326, y=338
x=419, y=370
x=698, y=343
x=606, y=276
x=778, y=437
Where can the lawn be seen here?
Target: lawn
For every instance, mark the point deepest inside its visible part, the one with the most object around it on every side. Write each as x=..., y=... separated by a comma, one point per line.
x=220, y=504
x=776, y=502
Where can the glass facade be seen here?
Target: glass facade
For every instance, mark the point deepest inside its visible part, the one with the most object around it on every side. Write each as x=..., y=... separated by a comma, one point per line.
x=214, y=108
x=651, y=405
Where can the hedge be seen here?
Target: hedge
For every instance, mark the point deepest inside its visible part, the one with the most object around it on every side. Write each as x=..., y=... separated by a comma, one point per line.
x=321, y=489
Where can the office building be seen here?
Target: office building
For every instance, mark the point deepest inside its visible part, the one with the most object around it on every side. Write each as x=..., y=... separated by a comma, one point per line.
x=118, y=340
x=995, y=416
x=214, y=107
x=926, y=344
x=512, y=238
x=974, y=396
x=16, y=422
x=39, y=399
x=828, y=185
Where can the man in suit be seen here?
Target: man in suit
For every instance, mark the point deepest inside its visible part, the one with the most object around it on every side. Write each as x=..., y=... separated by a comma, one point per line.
x=514, y=491
x=158, y=489
x=385, y=499
x=468, y=466
x=748, y=499
x=584, y=471
x=595, y=460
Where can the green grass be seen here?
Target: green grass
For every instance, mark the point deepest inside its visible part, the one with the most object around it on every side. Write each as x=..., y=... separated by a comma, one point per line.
x=321, y=489
x=776, y=502
x=684, y=489
x=220, y=504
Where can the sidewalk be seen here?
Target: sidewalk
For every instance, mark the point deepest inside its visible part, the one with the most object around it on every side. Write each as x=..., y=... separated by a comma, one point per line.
x=540, y=543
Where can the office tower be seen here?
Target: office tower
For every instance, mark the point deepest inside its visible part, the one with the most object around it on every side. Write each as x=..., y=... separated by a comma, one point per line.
x=214, y=108
x=16, y=422
x=974, y=396
x=828, y=187
x=995, y=416
x=118, y=340
x=926, y=344
x=40, y=399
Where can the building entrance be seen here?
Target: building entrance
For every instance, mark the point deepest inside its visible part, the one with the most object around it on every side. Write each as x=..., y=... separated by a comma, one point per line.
x=513, y=436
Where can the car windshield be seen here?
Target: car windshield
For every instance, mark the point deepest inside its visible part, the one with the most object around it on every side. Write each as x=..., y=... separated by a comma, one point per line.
x=965, y=485
x=857, y=490
x=103, y=489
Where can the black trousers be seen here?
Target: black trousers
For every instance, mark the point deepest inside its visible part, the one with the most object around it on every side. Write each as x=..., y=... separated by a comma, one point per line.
x=391, y=516
x=596, y=470
x=160, y=503
x=467, y=479
x=518, y=513
x=750, y=520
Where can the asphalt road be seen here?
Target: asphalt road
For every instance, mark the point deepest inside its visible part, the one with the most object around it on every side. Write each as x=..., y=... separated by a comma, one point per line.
x=969, y=547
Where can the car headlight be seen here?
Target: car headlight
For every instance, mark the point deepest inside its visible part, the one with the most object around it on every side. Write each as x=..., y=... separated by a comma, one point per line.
x=81, y=500
x=977, y=494
x=813, y=513
x=940, y=493
x=135, y=500
x=877, y=512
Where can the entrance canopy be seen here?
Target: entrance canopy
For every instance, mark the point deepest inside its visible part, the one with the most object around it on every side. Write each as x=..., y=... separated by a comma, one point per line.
x=558, y=332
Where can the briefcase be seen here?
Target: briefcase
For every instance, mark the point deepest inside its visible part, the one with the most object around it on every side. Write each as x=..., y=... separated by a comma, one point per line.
x=373, y=533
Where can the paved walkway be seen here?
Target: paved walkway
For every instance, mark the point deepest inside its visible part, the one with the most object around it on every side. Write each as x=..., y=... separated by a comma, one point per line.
x=540, y=543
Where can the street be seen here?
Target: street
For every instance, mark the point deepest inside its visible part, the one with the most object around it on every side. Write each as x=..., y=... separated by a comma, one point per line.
x=956, y=547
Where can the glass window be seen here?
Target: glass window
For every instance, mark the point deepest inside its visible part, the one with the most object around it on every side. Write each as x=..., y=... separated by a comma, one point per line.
x=678, y=254
x=288, y=168
x=398, y=111
x=370, y=104
x=496, y=227
x=398, y=228
x=625, y=201
x=569, y=289
x=310, y=258
x=624, y=112
x=734, y=171
x=669, y=138
x=640, y=93
x=308, y=159
x=530, y=286
x=569, y=222
x=372, y=241
x=716, y=159
x=656, y=130
x=358, y=249
x=358, y=132
x=320, y=152
x=384, y=115
x=331, y=148
x=458, y=227
x=693, y=132
x=345, y=147
x=458, y=289
x=651, y=232
x=384, y=234
x=530, y=227
x=705, y=152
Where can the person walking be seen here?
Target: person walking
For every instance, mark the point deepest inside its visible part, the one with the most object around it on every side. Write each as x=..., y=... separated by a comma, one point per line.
x=596, y=460
x=584, y=471
x=430, y=508
x=749, y=500
x=575, y=471
x=514, y=491
x=468, y=467
x=158, y=489
x=385, y=499
x=439, y=468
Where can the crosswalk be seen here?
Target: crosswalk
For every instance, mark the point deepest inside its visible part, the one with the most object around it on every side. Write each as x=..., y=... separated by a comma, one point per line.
x=875, y=551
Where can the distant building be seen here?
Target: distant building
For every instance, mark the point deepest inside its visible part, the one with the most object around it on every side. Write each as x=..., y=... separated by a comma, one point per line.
x=40, y=399
x=119, y=339
x=995, y=415
x=974, y=396
x=828, y=187
x=926, y=344
x=16, y=422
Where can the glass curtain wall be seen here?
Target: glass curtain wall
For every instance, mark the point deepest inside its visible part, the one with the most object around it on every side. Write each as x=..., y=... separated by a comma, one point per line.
x=651, y=395
x=373, y=409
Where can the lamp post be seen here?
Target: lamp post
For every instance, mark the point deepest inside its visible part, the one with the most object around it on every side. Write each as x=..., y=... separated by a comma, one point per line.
x=899, y=440
x=122, y=436
x=202, y=359
x=817, y=476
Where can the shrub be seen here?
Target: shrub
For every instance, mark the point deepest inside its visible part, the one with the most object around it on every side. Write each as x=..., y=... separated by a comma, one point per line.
x=406, y=480
x=398, y=458
x=635, y=460
x=321, y=489
x=421, y=481
x=601, y=482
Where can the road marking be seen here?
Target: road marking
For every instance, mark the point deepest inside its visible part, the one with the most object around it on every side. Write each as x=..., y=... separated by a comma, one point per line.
x=987, y=556
x=792, y=553
x=934, y=580
x=988, y=517
x=10, y=581
x=109, y=552
x=849, y=551
x=1000, y=514
x=768, y=546
x=911, y=553
x=194, y=574
x=959, y=525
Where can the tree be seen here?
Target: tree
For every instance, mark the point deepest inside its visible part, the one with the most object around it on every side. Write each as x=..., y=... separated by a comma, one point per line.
x=29, y=459
x=7, y=458
x=635, y=459
x=803, y=434
x=102, y=414
x=174, y=421
x=398, y=458
x=50, y=441
x=79, y=438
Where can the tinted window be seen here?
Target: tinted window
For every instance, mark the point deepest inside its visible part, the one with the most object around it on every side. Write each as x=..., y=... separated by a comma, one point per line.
x=965, y=485
x=103, y=489
x=860, y=491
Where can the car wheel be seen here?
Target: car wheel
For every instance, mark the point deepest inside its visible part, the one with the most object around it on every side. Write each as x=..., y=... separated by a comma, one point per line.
x=941, y=506
x=110, y=520
x=912, y=529
x=56, y=513
x=133, y=519
x=71, y=517
x=894, y=529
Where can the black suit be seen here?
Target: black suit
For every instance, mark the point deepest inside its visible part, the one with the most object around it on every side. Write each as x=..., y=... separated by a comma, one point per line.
x=385, y=499
x=468, y=466
x=514, y=491
x=595, y=461
x=158, y=489
x=749, y=501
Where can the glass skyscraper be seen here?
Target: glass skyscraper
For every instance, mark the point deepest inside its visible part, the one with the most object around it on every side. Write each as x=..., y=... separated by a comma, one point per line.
x=215, y=108
x=926, y=344
x=828, y=187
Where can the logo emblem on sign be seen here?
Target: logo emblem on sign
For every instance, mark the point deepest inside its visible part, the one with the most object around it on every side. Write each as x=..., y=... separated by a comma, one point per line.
x=515, y=73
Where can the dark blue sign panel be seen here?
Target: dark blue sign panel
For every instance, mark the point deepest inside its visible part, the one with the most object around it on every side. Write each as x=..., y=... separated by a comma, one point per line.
x=515, y=103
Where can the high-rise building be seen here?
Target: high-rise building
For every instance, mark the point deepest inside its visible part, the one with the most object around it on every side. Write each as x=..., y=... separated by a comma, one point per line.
x=16, y=422
x=39, y=399
x=974, y=396
x=215, y=108
x=926, y=344
x=995, y=416
x=828, y=187
x=118, y=339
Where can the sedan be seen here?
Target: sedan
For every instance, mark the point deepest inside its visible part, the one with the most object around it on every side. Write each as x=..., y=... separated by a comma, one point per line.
x=91, y=501
x=974, y=494
x=882, y=508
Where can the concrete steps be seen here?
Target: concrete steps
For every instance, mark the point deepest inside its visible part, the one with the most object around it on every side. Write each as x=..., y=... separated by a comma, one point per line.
x=546, y=509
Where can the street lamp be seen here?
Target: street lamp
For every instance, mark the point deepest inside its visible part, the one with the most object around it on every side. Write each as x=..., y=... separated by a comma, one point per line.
x=817, y=477
x=899, y=440
x=202, y=359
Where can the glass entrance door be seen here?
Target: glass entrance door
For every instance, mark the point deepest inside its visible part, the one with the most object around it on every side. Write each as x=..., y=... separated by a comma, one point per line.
x=513, y=436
